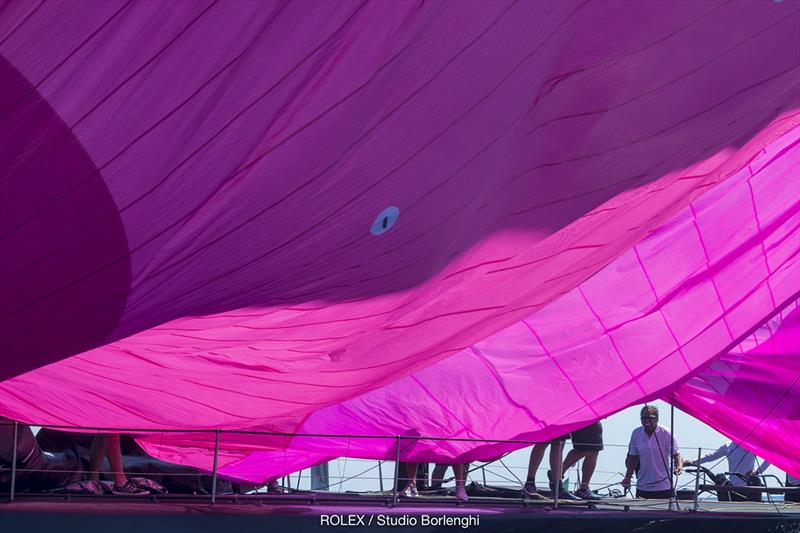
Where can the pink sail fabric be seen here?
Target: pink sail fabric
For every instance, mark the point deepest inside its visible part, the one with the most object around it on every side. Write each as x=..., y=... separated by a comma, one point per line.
x=240, y=199
x=234, y=216
x=636, y=328
x=751, y=394
x=753, y=397
x=553, y=372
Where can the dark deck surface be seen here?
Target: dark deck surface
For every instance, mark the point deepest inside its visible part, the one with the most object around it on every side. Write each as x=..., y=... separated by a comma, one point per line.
x=297, y=513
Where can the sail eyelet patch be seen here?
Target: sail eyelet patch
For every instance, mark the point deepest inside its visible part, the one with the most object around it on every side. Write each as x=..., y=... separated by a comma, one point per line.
x=385, y=220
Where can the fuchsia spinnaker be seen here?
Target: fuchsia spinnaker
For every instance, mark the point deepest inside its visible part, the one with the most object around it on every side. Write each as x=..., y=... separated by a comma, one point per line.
x=496, y=220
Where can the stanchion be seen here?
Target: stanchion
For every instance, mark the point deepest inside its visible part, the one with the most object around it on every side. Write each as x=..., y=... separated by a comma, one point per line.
x=14, y=462
x=214, y=472
x=671, y=448
x=557, y=491
x=697, y=480
x=673, y=500
x=396, y=473
x=483, y=471
x=380, y=474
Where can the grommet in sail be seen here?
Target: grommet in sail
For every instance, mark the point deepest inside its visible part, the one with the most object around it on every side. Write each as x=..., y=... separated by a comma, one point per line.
x=385, y=220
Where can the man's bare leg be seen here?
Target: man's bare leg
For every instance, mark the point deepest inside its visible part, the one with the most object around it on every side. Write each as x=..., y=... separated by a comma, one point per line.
x=572, y=458
x=537, y=454
x=556, y=454
x=460, y=471
x=114, y=454
x=410, y=488
x=587, y=470
x=96, y=455
x=589, y=464
x=438, y=475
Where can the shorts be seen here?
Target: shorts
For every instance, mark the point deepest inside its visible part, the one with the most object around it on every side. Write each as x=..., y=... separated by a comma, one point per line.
x=588, y=439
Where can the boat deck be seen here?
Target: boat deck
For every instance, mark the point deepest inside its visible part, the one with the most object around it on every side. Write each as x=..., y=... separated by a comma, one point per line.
x=302, y=512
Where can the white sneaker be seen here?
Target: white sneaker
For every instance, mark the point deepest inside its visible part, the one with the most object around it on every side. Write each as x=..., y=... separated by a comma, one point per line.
x=461, y=494
x=409, y=492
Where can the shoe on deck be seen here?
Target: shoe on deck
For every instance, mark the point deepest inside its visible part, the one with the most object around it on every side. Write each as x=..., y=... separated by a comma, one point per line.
x=461, y=494
x=586, y=494
x=409, y=492
x=129, y=489
x=563, y=494
x=529, y=492
x=149, y=485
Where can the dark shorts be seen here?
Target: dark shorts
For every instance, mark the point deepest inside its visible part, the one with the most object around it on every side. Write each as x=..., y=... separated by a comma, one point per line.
x=588, y=439
x=655, y=494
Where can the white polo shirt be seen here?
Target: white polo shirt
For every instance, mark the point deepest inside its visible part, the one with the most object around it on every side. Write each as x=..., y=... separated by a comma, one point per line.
x=653, y=452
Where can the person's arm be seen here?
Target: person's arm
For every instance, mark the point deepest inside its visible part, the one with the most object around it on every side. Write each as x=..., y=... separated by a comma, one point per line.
x=761, y=469
x=678, y=462
x=719, y=453
x=631, y=462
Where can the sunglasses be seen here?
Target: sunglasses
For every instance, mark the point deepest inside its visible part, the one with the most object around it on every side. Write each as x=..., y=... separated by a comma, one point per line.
x=648, y=417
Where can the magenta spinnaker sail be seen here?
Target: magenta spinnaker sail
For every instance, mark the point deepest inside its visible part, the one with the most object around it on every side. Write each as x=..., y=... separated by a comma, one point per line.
x=688, y=292
x=254, y=216
x=567, y=365
x=753, y=396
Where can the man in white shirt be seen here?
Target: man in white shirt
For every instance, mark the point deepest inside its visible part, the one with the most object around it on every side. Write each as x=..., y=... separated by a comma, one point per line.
x=649, y=455
x=742, y=469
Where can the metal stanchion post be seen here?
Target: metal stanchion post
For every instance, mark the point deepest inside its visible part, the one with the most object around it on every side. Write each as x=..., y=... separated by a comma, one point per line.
x=214, y=472
x=380, y=474
x=671, y=449
x=557, y=491
x=14, y=462
x=673, y=496
x=697, y=480
x=396, y=473
x=483, y=471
